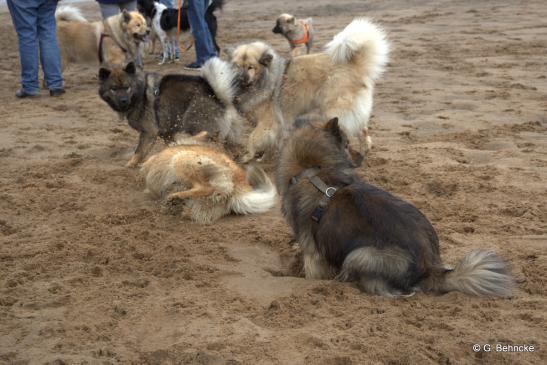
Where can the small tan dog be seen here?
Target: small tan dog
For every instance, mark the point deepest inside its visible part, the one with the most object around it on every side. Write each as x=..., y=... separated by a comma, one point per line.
x=213, y=184
x=114, y=41
x=299, y=33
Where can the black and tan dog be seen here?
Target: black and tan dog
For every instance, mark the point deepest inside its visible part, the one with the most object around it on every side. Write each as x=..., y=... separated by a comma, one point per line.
x=174, y=107
x=353, y=231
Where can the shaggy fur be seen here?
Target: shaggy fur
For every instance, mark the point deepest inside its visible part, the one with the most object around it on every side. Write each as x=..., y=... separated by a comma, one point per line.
x=366, y=235
x=294, y=30
x=174, y=106
x=338, y=83
x=79, y=39
x=212, y=184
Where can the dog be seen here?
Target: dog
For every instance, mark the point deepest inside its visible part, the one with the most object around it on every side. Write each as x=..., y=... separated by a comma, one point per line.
x=298, y=32
x=174, y=107
x=338, y=82
x=355, y=232
x=165, y=21
x=209, y=181
x=114, y=41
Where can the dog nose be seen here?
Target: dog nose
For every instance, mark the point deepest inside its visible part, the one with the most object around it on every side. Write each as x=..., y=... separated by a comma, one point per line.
x=124, y=100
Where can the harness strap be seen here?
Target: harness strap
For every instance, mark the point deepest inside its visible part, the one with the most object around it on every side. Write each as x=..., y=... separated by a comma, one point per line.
x=311, y=175
x=305, y=38
x=100, y=49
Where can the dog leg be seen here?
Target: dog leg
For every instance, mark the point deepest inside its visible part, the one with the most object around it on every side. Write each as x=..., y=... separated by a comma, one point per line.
x=146, y=141
x=366, y=140
x=197, y=191
x=315, y=267
x=378, y=286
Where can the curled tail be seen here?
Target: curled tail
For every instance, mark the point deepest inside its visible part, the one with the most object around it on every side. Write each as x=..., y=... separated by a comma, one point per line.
x=480, y=273
x=224, y=80
x=260, y=199
x=69, y=14
x=215, y=4
x=361, y=37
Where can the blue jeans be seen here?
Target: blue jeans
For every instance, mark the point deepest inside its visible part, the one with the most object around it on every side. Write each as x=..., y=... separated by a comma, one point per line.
x=34, y=22
x=202, y=36
x=108, y=10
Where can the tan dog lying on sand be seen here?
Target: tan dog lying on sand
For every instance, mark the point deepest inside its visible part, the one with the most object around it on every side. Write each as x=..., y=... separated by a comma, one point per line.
x=210, y=182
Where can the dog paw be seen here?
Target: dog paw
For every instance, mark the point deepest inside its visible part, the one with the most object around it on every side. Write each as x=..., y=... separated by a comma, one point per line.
x=132, y=163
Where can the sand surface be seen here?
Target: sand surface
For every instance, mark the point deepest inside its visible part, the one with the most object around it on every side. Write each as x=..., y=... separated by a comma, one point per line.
x=92, y=271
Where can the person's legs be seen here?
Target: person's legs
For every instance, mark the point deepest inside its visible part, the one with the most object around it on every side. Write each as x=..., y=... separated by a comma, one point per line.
x=50, y=55
x=202, y=36
x=24, y=17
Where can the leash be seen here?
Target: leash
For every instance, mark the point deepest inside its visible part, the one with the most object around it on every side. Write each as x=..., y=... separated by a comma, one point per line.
x=100, y=50
x=306, y=36
x=311, y=175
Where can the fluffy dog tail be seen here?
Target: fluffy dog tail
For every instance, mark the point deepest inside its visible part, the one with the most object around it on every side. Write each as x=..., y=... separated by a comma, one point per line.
x=361, y=37
x=480, y=273
x=222, y=77
x=69, y=14
x=260, y=199
x=224, y=80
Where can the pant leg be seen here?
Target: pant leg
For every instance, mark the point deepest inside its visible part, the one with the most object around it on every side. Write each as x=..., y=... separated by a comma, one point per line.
x=202, y=36
x=50, y=55
x=108, y=10
x=24, y=17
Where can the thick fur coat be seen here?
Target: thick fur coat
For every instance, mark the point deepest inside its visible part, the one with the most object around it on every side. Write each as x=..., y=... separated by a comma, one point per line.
x=211, y=183
x=338, y=82
x=80, y=40
x=364, y=234
x=174, y=107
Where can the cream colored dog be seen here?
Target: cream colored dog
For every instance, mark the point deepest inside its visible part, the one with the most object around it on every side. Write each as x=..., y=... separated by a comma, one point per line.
x=114, y=41
x=338, y=82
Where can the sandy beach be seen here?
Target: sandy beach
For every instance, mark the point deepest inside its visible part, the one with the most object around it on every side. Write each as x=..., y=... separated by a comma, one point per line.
x=92, y=271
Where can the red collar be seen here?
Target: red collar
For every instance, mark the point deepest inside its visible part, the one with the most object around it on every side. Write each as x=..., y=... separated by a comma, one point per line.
x=306, y=36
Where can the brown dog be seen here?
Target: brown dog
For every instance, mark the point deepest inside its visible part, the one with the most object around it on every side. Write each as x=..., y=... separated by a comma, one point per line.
x=298, y=32
x=356, y=232
x=211, y=183
x=112, y=42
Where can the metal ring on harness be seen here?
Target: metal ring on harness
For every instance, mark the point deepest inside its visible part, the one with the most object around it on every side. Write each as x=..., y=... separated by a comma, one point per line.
x=330, y=191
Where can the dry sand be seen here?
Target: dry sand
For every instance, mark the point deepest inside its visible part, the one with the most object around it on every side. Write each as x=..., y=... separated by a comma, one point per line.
x=92, y=271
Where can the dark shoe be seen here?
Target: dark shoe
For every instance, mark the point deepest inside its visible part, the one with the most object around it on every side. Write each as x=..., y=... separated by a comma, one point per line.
x=23, y=94
x=56, y=92
x=194, y=66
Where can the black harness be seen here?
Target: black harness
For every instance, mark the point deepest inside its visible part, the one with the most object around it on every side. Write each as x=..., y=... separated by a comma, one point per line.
x=328, y=191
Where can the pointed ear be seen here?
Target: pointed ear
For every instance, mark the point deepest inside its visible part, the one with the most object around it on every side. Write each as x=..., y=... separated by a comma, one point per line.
x=333, y=128
x=292, y=20
x=104, y=73
x=229, y=51
x=266, y=59
x=126, y=16
x=130, y=68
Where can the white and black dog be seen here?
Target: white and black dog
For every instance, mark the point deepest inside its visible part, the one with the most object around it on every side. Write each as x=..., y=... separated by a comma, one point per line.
x=164, y=22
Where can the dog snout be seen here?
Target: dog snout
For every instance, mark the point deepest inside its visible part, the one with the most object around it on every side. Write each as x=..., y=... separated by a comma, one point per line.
x=123, y=100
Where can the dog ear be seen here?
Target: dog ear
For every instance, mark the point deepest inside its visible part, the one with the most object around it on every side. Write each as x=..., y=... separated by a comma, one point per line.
x=126, y=16
x=130, y=68
x=266, y=59
x=292, y=20
x=104, y=73
x=333, y=128
x=229, y=51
